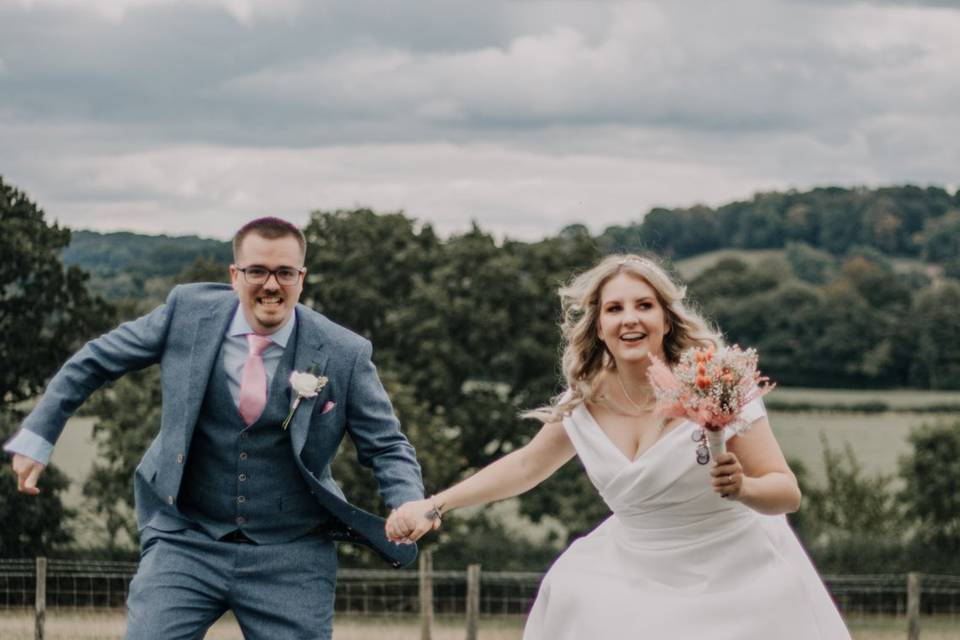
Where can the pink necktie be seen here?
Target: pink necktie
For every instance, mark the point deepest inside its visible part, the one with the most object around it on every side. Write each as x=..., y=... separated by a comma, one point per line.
x=253, y=383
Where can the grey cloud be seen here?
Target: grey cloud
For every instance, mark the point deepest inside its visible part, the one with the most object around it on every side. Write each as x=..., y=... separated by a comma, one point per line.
x=705, y=100
x=944, y=4
x=195, y=74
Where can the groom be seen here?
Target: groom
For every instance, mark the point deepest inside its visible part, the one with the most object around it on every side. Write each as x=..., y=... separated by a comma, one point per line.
x=236, y=506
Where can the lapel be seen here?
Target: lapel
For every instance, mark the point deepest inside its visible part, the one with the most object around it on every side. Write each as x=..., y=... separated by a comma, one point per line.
x=310, y=354
x=207, y=339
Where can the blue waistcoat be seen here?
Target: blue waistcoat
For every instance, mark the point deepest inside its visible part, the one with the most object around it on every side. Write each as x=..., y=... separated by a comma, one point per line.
x=244, y=477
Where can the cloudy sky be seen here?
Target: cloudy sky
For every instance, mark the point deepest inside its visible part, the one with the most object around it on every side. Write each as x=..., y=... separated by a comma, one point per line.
x=191, y=116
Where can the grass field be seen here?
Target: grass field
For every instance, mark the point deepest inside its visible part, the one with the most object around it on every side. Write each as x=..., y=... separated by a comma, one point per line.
x=109, y=626
x=899, y=399
x=878, y=440
x=689, y=268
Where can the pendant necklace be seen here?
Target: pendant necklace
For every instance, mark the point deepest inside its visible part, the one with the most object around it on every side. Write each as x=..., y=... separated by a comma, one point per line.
x=644, y=409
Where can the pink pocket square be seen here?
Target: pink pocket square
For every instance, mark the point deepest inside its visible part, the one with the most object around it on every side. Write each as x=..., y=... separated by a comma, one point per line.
x=328, y=407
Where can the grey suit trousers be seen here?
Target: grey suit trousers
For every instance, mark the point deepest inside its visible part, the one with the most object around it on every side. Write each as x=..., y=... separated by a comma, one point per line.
x=186, y=581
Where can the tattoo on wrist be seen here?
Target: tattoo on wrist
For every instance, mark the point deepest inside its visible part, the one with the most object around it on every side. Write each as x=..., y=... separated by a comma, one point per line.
x=435, y=512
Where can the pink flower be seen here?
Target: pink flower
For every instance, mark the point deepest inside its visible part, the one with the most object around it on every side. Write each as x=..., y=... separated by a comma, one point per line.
x=706, y=386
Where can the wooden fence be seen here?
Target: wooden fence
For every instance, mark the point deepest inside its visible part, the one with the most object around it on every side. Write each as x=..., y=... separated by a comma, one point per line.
x=426, y=593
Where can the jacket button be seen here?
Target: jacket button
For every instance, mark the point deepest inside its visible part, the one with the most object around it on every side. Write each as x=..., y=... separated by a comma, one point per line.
x=242, y=477
x=169, y=499
x=179, y=458
x=241, y=499
x=243, y=455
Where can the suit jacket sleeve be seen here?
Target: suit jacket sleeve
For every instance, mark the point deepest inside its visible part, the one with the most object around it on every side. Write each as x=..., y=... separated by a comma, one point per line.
x=131, y=346
x=376, y=433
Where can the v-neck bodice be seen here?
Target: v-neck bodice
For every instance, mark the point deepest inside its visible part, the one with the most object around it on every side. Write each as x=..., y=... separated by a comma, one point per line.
x=662, y=489
x=664, y=432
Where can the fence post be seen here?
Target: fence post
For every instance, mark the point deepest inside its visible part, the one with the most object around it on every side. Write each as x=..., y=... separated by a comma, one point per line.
x=473, y=600
x=426, y=594
x=41, y=598
x=913, y=606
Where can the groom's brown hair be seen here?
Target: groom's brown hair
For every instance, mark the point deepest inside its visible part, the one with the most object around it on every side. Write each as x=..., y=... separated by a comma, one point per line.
x=270, y=228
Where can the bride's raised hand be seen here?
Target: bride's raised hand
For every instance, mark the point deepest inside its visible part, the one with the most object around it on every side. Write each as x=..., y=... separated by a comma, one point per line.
x=410, y=521
x=727, y=475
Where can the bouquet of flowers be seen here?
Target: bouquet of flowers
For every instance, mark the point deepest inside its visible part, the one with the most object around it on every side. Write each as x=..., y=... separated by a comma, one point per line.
x=709, y=387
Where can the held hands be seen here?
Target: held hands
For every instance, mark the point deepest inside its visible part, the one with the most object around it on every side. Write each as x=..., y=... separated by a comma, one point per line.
x=28, y=472
x=727, y=476
x=409, y=522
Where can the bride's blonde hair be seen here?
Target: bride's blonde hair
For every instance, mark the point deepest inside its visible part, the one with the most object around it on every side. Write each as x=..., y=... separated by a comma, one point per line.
x=585, y=355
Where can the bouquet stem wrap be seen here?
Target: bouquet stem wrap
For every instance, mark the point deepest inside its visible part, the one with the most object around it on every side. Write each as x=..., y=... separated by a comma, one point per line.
x=716, y=442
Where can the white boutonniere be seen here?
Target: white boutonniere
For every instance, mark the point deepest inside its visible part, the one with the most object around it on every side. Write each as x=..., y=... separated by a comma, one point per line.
x=306, y=385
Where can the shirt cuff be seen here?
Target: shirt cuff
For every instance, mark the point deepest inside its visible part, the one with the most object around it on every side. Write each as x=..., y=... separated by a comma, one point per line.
x=29, y=444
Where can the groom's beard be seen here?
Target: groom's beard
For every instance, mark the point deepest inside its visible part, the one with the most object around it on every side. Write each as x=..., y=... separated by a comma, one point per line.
x=271, y=308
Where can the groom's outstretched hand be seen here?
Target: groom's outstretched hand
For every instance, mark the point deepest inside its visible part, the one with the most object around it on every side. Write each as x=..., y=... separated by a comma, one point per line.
x=409, y=522
x=28, y=473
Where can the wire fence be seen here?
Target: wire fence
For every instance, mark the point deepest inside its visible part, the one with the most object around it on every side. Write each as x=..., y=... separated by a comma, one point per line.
x=398, y=592
x=889, y=594
x=97, y=585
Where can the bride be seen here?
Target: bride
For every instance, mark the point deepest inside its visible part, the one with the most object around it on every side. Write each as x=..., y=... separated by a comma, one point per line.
x=691, y=550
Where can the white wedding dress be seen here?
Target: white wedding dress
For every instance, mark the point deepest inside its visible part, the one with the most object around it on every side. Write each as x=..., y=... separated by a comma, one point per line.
x=676, y=561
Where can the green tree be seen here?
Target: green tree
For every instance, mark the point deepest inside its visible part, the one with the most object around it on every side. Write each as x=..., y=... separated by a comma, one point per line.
x=853, y=523
x=730, y=277
x=854, y=336
x=363, y=267
x=941, y=238
x=840, y=223
x=882, y=227
x=485, y=539
x=205, y=269
x=932, y=329
x=128, y=414
x=853, y=504
x=801, y=222
x=45, y=310
x=32, y=525
x=809, y=264
x=760, y=224
x=931, y=493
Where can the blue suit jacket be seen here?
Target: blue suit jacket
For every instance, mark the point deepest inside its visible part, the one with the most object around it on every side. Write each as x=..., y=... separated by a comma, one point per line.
x=184, y=336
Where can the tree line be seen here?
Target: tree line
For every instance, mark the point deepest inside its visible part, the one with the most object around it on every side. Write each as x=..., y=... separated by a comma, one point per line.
x=897, y=221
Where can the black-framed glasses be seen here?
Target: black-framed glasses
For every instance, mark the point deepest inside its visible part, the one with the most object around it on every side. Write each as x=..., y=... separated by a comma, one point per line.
x=286, y=276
